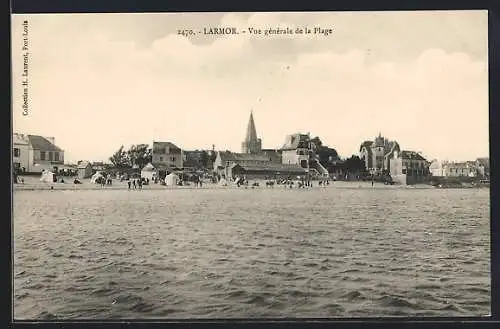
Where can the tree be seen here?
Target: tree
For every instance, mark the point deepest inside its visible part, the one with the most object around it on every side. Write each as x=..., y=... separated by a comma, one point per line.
x=139, y=155
x=354, y=164
x=326, y=155
x=213, y=156
x=119, y=158
x=204, y=159
x=317, y=142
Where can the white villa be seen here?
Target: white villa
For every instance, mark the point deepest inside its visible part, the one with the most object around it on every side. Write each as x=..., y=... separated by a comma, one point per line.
x=33, y=153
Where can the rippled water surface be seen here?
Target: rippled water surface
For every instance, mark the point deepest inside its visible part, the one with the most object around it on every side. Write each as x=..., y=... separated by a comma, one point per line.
x=245, y=253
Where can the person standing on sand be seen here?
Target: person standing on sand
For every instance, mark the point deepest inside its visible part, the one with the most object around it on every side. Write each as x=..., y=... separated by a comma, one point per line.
x=129, y=184
x=134, y=183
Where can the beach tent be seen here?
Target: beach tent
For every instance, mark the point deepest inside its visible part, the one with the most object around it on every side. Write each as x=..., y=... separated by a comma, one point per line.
x=95, y=177
x=47, y=176
x=148, y=171
x=171, y=179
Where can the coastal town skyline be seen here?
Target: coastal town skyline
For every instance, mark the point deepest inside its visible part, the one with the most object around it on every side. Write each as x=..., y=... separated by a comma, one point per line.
x=130, y=79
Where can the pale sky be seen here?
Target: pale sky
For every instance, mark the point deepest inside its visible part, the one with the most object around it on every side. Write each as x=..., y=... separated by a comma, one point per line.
x=98, y=81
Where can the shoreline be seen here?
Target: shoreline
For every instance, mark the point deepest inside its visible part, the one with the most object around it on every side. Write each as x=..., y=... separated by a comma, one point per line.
x=36, y=185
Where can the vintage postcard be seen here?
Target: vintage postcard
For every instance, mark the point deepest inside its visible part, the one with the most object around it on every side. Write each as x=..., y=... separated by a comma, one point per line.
x=250, y=165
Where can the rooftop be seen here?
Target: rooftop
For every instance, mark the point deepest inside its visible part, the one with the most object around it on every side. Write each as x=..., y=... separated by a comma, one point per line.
x=273, y=167
x=230, y=156
x=42, y=143
x=170, y=145
x=83, y=165
x=411, y=155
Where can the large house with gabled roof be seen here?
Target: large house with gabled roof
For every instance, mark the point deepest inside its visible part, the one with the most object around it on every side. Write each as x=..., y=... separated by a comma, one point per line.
x=34, y=153
x=167, y=154
x=409, y=167
x=377, y=154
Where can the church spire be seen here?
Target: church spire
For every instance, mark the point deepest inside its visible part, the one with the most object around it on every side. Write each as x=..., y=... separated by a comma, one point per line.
x=251, y=131
x=252, y=144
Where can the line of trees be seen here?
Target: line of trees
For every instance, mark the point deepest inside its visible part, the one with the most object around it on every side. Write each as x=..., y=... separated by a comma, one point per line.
x=137, y=155
x=328, y=157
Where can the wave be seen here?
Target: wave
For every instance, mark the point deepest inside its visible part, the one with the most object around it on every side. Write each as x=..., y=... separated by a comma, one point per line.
x=143, y=307
x=398, y=302
x=22, y=296
x=103, y=292
x=452, y=307
x=353, y=295
x=428, y=286
x=46, y=316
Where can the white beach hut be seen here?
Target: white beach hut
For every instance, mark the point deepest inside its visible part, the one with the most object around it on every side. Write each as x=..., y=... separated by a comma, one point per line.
x=171, y=179
x=148, y=172
x=95, y=177
x=47, y=176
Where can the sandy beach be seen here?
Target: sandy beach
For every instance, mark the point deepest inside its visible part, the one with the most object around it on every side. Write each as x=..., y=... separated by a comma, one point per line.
x=33, y=183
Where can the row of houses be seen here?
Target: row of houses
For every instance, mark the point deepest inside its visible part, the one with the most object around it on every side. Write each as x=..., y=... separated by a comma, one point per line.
x=298, y=156
x=478, y=168
x=34, y=154
x=383, y=156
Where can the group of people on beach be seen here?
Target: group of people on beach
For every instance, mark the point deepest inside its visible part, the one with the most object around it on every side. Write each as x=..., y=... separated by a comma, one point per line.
x=136, y=184
x=286, y=182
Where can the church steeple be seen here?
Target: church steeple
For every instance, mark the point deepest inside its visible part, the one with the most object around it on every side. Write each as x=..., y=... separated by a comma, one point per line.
x=252, y=144
x=251, y=131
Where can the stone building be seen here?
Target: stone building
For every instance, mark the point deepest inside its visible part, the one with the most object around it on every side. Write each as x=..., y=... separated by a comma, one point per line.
x=296, y=150
x=299, y=150
x=166, y=154
x=377, y=154
x=197, y=159
x=409, y=167
x=483, y=167
x=225, y=161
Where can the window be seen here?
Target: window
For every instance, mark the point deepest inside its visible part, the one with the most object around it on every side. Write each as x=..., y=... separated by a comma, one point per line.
x=173, y=158
x=161, y=158
x=56, y=156
x=17, y=152
x=159, y=150
x=51, y=156
x=404, y=171
x=42, y=155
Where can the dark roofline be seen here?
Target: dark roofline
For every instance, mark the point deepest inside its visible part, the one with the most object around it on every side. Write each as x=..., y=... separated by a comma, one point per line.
x=366, y=144
x=281, y=168
x=169, y=144
x=411, y=155
x=38, y=142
